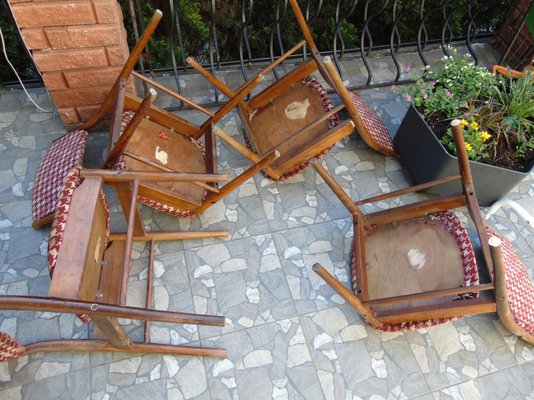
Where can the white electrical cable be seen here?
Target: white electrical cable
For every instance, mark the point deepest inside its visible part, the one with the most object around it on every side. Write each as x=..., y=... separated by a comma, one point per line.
x=18, y=77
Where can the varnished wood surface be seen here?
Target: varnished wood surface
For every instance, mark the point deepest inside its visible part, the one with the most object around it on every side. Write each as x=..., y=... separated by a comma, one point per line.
x=78, y=264
x=181, y=155
x=270, y=126
x=389, y=271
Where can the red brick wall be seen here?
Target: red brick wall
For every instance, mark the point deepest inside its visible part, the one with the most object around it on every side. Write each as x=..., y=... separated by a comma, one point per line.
x=78, y=45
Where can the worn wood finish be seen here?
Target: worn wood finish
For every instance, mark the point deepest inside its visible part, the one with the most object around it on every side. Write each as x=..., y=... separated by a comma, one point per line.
x=412, y=189
x=470, y=194
x=127, y=259
x=124, y=194
x=245, y=151
x=78, y=264
x=163, y=117
x=172, y=151
x=465, y=307
x=116, y=116
x=71, y=306
x=271, y=127
x=112, y=273
x=433, y=294
x=348, y=295
x=130, y=129
x=128, y=176
x=212, y=198
x=425, y=207
x=149, y=288
x=360, y=266
x=172, y=94
x=112, y=330
x=103, y=345
x=161, y=236
x=282, y=85
x=324, y=142
x=412, y=257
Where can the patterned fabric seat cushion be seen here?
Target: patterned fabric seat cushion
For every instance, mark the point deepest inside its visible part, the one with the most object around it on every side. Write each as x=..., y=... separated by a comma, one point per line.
x=333, y=121
x=519, y=286
x=452, y=224
x=376, y=128
x=64, y=154
x=10, y=348
x=175, y=212
x=72, y=181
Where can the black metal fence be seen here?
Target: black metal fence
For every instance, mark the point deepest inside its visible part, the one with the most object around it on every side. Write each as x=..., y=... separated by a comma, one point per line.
x=244, y=33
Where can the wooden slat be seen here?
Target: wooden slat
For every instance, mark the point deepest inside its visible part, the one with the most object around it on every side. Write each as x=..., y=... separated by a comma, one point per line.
x=412, y=189
x=334, y=135
x=481, y=305
x=158, y=236
x=79, y=261
x=409, y=211
x=112, y=330
x=124, y=193
x=127, y=261
x=65, y=345
x=282, y=85
x=165, y=118
x=130, y=129
x=112, y=271
x=430, y=295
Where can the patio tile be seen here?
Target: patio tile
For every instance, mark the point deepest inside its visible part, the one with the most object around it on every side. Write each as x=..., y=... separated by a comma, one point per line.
x=463, y=350
x=329, y=244
x=509, y=383
x=267, y=362
x=242, y=280
x=354, y=360
x=150, y=377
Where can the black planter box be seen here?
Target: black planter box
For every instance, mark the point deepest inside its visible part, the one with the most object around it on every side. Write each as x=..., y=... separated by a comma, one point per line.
x=426, y=159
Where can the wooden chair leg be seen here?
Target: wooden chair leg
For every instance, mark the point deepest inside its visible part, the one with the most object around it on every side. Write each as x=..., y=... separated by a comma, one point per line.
x=135, y=347
x=349, y=296
x=212, y=198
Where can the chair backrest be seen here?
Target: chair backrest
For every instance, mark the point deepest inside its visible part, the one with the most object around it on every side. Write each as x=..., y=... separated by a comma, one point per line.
x=78, y=239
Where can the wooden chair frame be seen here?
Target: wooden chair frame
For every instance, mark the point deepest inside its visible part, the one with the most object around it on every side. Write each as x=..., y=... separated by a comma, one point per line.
x=118, y=101
x=247, y=108
x=91, y=278
x=363, y=223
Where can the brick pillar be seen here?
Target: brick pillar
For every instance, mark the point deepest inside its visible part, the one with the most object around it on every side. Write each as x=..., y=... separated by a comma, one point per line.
x=79, y=46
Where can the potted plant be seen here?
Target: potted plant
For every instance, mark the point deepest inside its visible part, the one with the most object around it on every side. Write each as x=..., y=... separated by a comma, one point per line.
x=498, y=119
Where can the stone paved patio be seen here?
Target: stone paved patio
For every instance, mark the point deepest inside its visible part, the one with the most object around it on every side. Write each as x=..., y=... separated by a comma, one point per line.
x=288, y=335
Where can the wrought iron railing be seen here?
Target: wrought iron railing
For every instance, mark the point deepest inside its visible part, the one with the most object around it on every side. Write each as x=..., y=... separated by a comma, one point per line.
x=245, y=33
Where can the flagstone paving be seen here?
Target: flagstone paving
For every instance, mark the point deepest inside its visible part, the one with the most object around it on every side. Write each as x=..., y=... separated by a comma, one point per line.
x=288, y=335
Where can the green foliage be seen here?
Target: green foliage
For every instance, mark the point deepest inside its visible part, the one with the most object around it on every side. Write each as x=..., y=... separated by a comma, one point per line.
x=509, y=113
x=462, y=77
x=476, y=141
x=16, y=53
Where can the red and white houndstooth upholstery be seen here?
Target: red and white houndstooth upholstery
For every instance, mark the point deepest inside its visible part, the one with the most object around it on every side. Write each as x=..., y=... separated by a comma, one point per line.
x=72, y=181
x=452, y=224
x=372, y=122
x=64, y=154
x=10, y=348
x=333, y=121
x=519, y=286
x=175, y=212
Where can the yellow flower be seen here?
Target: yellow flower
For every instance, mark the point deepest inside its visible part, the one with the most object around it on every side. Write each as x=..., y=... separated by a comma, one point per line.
x=468, y=146
x=475, y=125
x=484, y=135
x=464, y=122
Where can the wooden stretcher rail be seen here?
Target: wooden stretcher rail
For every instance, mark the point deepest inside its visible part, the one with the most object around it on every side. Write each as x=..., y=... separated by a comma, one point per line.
x=47, y=304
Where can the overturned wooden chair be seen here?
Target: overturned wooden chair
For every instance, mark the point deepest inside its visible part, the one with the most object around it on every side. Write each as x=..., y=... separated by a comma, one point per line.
x=296, y=115
x=89, y=268
x=413, y=266
x=144, y=137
